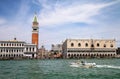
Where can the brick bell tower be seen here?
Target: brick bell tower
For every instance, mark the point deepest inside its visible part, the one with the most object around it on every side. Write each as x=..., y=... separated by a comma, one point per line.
x=35, y=31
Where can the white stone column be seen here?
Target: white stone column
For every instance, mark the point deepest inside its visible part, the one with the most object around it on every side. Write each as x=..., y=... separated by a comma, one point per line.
x=28, y=49
x=35, y=49
x=24, y=49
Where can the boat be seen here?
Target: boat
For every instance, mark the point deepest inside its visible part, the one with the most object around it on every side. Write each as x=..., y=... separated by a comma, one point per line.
x=83, y=64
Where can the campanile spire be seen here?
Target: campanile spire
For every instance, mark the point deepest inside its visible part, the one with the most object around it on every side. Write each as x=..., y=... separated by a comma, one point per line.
x=35, y=31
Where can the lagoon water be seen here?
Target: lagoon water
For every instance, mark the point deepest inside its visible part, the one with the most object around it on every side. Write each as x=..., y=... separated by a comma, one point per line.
x=59, y=69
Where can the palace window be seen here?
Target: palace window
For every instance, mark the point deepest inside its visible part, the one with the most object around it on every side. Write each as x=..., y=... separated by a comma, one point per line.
x=98, y=44
x=72, y=44
x=111, y=45
x=1, y=50
x=14, y=50
x=92, y=45
x=10, y=44
x=26, y=49
x=30, y=49
x=33, y=49
x=79, y=44
x=1, y=44
x=104, y=45
x=69, y=55
x=86, y=44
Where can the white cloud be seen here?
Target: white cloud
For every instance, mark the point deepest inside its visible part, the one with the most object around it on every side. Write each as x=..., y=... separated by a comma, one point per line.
x=10, y=31
x=2, y=21
x=55, y=14
x=73, y=13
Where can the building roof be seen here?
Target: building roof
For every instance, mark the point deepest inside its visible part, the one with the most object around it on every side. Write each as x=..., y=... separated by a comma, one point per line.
x=29, y=44
x=12, y=41
x=91, y=39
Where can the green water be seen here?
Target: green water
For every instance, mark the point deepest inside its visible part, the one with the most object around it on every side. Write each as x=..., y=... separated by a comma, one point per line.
x=59, y=69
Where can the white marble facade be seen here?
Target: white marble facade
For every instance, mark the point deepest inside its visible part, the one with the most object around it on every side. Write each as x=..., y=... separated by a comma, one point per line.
x=17, y=49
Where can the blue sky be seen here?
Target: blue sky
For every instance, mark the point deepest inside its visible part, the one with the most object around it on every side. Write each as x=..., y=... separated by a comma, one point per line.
x=60, y=20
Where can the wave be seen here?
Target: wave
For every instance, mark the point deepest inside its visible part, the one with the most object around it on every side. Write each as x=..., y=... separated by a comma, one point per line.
x=101, y=66
x=108, y=66
x=74, y=65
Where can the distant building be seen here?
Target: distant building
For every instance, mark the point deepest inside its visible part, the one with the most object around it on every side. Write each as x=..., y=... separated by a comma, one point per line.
x=89, y=48
x=118, y=51
x=16, y=50
x=56, y=50
x=42, y=53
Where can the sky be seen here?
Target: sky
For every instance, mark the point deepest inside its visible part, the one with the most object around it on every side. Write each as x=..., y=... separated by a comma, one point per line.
x=60, y=20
